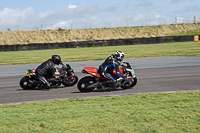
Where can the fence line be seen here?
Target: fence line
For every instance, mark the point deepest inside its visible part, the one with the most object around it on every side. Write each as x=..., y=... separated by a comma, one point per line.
x=182, y=20
x=178, y=20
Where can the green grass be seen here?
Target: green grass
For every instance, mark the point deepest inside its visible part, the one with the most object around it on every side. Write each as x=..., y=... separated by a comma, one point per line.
x=97, y=53
x=141, y=113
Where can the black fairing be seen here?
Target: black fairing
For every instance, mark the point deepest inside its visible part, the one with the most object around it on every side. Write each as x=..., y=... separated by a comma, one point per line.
x=68, y=66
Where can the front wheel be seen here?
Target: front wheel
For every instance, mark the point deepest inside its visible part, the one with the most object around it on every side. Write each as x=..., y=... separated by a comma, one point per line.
x=72, y=81
x=84, y=83
x=131, y=84
x=26, y=84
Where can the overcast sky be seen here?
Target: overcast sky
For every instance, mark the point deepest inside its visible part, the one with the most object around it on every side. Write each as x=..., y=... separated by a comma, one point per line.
x=93, y=13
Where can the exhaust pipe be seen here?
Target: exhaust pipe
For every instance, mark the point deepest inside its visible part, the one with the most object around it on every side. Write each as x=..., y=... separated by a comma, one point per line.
x=93, y=85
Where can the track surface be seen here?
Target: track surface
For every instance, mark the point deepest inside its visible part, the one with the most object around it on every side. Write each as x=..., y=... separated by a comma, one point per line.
x=155, y=74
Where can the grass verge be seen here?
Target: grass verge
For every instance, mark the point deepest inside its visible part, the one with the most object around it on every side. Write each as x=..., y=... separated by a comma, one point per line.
x=77, y=35
x=97, y=53
x=158, y=112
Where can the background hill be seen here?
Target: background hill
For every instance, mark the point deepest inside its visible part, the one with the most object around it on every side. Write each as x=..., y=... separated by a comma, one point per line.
x=69, y=35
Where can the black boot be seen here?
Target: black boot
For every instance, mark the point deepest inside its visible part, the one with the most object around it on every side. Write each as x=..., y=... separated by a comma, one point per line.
x=46, y=84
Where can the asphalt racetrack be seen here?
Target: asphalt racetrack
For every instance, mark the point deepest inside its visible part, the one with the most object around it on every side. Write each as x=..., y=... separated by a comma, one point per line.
x=155, y=74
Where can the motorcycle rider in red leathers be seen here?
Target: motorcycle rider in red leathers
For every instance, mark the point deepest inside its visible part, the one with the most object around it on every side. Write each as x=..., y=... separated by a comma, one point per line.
x=110, y=64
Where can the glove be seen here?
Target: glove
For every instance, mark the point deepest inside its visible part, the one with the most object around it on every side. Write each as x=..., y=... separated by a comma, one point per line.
x=57, y=77
x=125, y=75
x=64, y=67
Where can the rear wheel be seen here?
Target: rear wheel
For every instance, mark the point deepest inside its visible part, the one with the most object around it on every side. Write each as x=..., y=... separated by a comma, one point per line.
x=131, y=84
x=26, y=84
x=84, y=83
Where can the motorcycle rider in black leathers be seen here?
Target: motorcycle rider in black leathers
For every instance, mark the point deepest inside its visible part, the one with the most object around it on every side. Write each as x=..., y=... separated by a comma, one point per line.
x=47, y=70
x=110, y=64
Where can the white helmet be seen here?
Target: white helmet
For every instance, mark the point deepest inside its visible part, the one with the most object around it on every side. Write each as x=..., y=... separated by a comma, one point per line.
x=119, y=55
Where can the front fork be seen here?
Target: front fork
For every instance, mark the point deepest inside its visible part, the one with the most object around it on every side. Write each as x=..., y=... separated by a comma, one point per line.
x=122, y=81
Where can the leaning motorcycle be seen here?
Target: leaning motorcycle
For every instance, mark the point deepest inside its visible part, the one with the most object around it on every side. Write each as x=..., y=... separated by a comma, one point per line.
x=64, y=75
x=95, y=80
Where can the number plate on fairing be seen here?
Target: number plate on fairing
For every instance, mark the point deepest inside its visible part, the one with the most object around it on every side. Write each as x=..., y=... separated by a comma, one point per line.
x=28, y=73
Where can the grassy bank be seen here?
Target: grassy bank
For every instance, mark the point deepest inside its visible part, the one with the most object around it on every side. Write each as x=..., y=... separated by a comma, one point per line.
x=68, y=35
x=147, y=113
x=96, y=53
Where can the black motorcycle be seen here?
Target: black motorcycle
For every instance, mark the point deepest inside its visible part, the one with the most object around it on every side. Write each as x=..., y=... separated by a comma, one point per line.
x=64, y=75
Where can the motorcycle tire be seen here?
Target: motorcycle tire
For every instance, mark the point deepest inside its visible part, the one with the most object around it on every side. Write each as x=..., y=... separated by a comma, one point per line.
x=72, y=81
x=84, y=82
x=134, y=82
x=25, y=84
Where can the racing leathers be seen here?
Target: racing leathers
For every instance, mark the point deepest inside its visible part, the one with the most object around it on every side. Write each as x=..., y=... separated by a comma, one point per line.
x=46, y=70
x=108, y=66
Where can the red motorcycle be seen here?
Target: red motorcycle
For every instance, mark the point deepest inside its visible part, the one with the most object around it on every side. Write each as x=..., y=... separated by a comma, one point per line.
x=64, y=75
x=95, y=80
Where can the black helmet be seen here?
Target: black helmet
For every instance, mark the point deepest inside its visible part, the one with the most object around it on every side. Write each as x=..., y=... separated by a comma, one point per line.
x=56, y=59
x=119, y=55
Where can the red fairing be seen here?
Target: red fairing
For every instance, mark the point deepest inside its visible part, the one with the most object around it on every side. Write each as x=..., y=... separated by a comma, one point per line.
x=93, y=72
x=121, y=70
x=57, y=72
x=33, y=70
